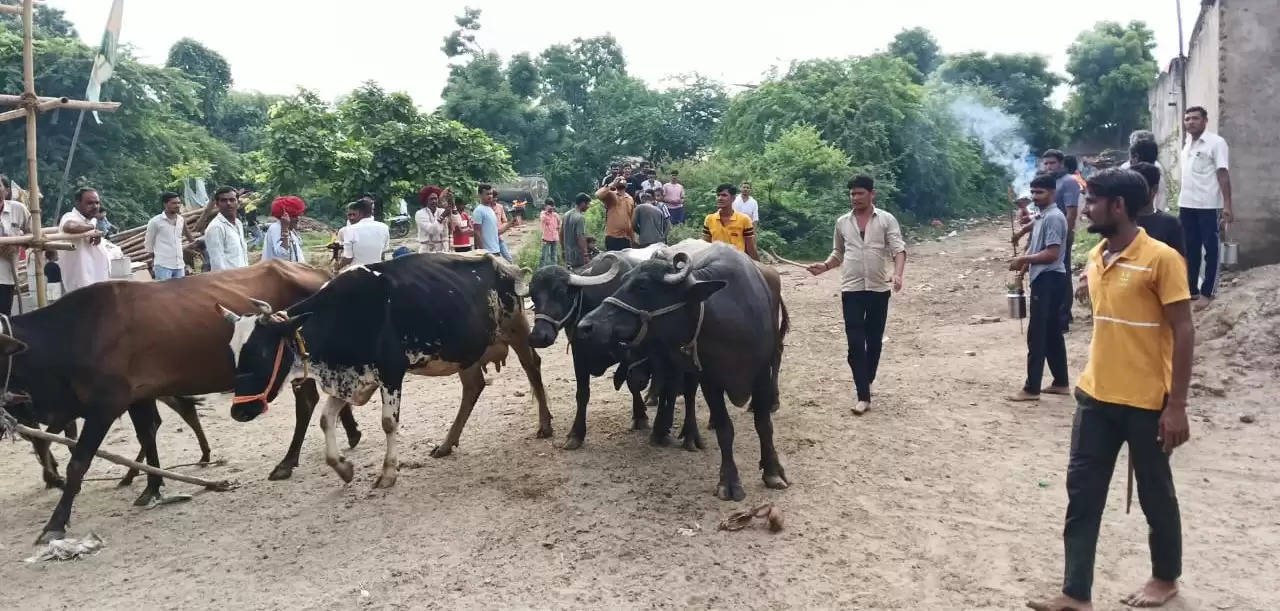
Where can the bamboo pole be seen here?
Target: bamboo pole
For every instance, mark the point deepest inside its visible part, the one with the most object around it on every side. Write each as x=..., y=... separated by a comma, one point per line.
x=33, y=176
x=10, y=10
x=12, y=114
x=48, y=103
x=219, y=486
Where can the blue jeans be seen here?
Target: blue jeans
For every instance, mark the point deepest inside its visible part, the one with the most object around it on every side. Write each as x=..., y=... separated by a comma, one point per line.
x=550, y=254
x=1200, y=226
x=503, y=250
x=677, y=215
x=165, y=273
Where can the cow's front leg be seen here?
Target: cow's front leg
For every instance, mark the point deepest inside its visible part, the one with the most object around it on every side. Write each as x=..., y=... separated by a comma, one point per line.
x=332, y=456
x=472, y=384
x=95, y=429
x=390, y=426
x=689, y=431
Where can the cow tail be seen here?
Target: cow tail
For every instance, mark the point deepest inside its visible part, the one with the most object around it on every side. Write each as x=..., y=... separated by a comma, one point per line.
x=776, y=368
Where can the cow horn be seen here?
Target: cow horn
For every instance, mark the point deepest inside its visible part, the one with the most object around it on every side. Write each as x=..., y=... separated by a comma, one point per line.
x=597, y=280
x=681, y=262
x=231, y=317
x=262, y=306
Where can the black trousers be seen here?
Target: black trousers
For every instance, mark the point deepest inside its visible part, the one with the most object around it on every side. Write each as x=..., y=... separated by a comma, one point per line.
x=6, y=299
x=1099, y=431
x=865, y=313
x=612, y=243
x=1200, y=228
x=1044, y=332
x=1068, y=291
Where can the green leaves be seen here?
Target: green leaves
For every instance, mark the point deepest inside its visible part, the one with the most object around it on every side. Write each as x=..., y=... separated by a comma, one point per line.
x=1111, y=67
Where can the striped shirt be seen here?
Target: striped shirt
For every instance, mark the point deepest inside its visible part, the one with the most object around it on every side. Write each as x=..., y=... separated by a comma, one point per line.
x=1131, y=355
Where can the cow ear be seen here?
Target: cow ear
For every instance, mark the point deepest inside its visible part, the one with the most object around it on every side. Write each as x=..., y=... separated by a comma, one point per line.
x=230, y=316
x=700, y=291
x=10, y=346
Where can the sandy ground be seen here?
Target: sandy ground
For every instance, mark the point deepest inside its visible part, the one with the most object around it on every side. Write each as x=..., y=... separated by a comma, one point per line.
x=943, y=497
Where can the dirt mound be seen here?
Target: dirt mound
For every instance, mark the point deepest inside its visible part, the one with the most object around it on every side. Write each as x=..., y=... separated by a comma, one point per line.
x=1243, y=325
x=308, y=224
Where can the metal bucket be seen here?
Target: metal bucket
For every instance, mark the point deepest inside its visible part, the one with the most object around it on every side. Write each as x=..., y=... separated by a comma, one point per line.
x=1230, y=253
x=120, y=269
x=1017, y=304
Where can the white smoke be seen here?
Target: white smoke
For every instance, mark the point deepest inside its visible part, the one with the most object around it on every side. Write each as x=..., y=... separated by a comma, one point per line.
x=1001, y=137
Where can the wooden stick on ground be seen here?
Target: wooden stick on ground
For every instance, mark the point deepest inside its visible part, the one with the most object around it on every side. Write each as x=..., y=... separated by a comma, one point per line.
x=219, y=486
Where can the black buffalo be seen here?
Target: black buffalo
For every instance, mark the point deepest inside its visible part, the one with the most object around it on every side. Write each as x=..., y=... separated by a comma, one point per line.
x=714, y=313
x=560, y=299
x=429, y=314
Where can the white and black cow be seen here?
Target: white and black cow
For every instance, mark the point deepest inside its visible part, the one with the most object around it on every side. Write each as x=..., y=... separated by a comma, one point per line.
x=431, y=314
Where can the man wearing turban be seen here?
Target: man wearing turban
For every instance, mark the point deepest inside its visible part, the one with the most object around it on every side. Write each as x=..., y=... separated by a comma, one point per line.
x=282, y=240
x=433, y=221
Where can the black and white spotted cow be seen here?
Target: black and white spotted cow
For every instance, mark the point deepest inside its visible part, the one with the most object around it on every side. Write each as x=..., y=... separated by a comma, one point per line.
x=432, y=314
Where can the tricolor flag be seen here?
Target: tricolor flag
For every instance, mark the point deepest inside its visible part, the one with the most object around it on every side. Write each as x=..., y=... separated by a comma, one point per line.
x=105, y=63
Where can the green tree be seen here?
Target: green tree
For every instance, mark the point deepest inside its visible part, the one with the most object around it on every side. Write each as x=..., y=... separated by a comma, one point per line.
x=206, y=67
x=1023, y=81
x=1111, y=68
x=918, y=48
x=49, y=22
x=242, y=119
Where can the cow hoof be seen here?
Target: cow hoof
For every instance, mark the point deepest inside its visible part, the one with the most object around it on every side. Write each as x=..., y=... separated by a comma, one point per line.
x=776, y=482
x=353, y=438
x=345, y=470
x=146, y=498
x=441, y=451
x=281, y=471
x=55, y=482
x=662, y=441
x=205, y=460
x=692, y=443
x=640, y=424
x=544, y=431
x=125, y=481
x=572, y=443
x=385, y=480
x=730, y=492
x=49, y=536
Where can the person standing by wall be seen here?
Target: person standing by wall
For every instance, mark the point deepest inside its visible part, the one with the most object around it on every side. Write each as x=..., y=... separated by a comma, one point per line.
x=673, y=194
x=1043, y=265
x=163, y=240
x=224, y=237
x=550, y=222
x=15, y=220
x=1133, y=391
x=90, y=262
x=619, y=210
x=281, y=240
x=865, y=240
x=574, y=236
x=1203, y=202
x=728, y=225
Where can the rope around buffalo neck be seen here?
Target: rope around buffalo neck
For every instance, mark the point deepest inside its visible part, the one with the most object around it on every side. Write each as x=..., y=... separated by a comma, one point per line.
x=690, y=348
x=557, y=324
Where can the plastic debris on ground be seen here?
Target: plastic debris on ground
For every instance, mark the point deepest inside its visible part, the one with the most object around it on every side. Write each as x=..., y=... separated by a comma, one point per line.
x=68, y=549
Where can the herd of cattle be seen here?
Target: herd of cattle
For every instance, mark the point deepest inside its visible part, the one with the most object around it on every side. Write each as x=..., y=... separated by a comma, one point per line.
x=673, y=318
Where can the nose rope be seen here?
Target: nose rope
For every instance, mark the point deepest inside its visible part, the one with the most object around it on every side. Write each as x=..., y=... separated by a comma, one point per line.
x=275, y=372
x=556, y=324
x=689, y=349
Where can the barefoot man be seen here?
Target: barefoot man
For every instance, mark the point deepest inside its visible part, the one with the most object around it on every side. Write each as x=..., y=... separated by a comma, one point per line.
x=1134, y=390
x=865, y=240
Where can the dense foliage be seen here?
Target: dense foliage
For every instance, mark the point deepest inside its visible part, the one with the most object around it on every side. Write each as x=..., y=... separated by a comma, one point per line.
x=1111, y=67
x=1023, y=82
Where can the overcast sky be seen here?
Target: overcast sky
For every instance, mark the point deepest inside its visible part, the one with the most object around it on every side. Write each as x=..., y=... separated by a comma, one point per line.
x=275, y=46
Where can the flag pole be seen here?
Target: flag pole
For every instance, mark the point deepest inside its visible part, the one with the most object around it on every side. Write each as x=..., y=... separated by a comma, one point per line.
x=66, y=170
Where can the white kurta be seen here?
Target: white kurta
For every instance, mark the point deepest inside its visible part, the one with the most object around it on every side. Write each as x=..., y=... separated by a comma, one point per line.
x=88, y=263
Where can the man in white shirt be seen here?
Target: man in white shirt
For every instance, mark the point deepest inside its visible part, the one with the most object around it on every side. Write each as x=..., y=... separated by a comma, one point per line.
x=364, y=240
x=282, y=240
x=164, y=239
x=1203, y=203
x=652, y=183
x=224, y=237
x=14, y=220
x=747, y=205
x=90, y=262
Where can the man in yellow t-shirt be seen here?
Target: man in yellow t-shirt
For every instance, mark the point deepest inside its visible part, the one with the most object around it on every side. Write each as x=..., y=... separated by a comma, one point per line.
x=729, y=226
x=1134, y=390
x=619, y=208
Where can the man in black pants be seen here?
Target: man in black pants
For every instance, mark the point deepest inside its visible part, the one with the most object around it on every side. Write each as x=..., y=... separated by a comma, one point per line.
x=865, y=240
x=1043, y=265
x=1133, y=390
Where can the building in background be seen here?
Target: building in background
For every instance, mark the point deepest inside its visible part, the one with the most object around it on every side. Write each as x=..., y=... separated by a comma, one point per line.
x=1231, y=70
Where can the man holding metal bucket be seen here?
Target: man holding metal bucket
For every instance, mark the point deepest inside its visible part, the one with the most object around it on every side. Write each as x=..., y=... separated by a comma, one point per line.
x=1044, y=266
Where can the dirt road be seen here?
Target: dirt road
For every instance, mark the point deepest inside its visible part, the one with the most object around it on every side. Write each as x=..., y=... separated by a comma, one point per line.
x=944, y=496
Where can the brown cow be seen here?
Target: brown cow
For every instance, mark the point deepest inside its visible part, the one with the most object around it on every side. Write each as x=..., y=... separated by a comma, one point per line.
x=114, y=347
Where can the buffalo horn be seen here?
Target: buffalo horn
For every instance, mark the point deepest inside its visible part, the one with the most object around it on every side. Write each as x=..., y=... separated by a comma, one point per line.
x=605, y=278
x=681, y=262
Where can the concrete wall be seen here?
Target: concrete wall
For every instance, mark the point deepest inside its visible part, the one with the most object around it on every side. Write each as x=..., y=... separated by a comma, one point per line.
x=1232, y=71
x=1250, y=121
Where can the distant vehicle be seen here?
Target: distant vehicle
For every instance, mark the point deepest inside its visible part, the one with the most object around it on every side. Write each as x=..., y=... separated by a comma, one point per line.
x=532, y=190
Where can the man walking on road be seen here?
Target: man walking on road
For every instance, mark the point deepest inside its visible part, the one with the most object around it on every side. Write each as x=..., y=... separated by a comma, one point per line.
x=550, y=222
x=1133, y=390
x=1204, y=202
x=1043, y=265
x=865, y=240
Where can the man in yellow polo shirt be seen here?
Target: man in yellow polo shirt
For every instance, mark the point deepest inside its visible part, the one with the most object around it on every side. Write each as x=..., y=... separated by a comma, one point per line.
x=729, y=226
x=1134, y=390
